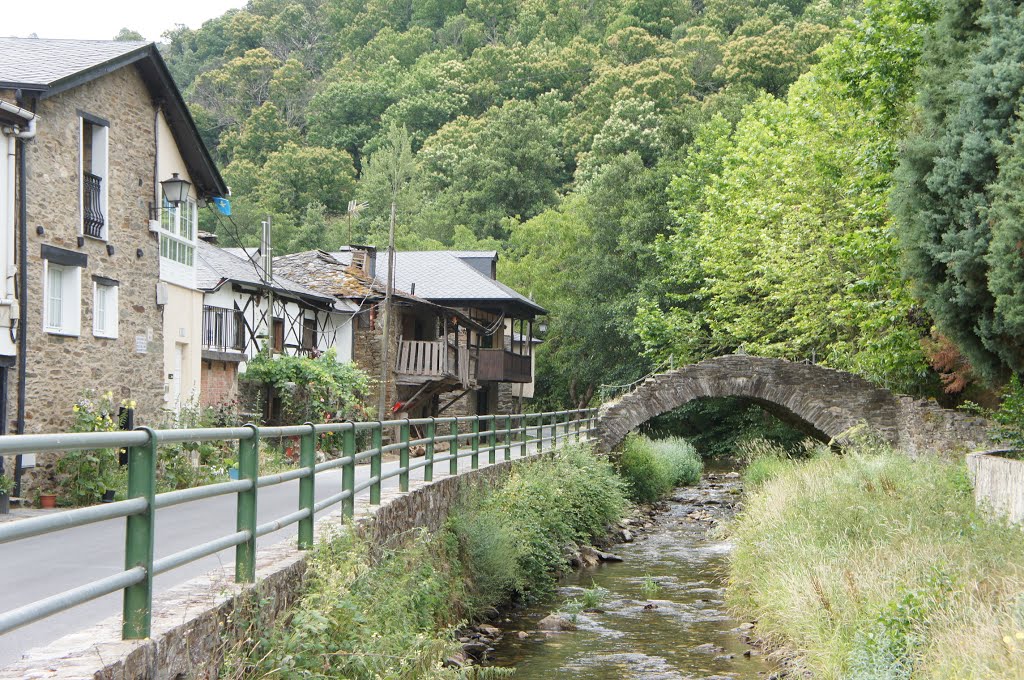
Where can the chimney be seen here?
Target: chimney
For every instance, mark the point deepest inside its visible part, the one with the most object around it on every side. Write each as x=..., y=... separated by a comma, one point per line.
x=208, y=237
x=364, y=258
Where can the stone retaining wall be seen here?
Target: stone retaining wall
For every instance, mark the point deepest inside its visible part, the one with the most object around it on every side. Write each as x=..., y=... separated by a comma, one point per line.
x=998, y=484
x=192, y=621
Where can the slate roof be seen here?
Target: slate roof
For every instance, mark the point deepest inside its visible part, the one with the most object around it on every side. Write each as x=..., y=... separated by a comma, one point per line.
x=39, y=64
x=43, y=68
x=216, y=266
x=326, y=273
x=441, y=276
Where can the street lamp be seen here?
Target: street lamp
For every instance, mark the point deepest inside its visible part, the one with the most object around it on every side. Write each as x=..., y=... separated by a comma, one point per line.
x=175, y=189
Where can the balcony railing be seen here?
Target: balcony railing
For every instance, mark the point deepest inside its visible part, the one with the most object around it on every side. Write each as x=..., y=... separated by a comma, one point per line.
x=422, y=360
x=503, y=366
x=223, y=330
x=92, y=205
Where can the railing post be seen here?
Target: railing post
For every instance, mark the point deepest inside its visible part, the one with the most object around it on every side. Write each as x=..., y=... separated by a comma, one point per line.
x=554, y=430
x=248, y=468
x=522, y=434
x=403, y=458
x=428, y=469
x=453, y=449
x=348, y=471
x=492, y=440
x=378, y=442
x=307, y=486
x=140, y=531
x=475, y=458
x=568, y=419
x=508, y=437
x=578, y=417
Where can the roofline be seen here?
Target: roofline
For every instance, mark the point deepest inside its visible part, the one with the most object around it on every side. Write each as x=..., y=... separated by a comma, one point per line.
x=470, y=302
x=175, y=109
x=276, y=289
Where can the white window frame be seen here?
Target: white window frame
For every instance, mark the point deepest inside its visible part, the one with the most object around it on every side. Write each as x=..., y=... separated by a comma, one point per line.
x=101, y=168
x=174, y=224
x=71, y=300
x=109, y=315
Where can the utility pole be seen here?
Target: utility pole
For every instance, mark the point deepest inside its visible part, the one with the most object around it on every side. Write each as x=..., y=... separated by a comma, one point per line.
x=382, y=402
x=267, y=255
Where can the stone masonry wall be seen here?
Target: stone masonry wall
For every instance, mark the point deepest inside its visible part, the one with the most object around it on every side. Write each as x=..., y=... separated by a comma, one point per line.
x=191, y=622
x=367, y=354
x=60, y=368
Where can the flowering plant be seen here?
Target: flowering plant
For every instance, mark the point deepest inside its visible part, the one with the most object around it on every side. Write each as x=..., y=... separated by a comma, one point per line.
x=84, y=476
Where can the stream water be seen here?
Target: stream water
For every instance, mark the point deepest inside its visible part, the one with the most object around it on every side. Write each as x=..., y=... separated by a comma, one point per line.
x=679, y=567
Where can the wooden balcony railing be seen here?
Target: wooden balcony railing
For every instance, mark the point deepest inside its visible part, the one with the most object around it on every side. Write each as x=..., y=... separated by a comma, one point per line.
x=503, y=366
x=92, y=205
x=422, y=360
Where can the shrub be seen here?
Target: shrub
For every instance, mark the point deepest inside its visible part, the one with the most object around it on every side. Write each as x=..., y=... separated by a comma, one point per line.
x=872, y=565
x=84, y=476
x=652, y=468
x=544, y=506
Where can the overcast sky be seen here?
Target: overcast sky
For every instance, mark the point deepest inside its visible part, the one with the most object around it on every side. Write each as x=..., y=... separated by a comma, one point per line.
x=102, y=19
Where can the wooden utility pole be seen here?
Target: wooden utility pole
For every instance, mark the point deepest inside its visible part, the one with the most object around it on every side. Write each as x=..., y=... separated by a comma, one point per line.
x=382, y=402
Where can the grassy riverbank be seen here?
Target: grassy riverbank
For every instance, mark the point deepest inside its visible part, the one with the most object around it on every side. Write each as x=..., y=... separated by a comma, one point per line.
x=652, y=468
x=393, y=615
x=874, y=566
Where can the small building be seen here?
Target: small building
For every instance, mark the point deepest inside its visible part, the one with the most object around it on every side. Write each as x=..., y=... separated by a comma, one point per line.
x=237, y=322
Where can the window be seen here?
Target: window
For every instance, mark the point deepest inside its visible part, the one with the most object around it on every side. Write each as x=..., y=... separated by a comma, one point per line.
x=105, y=317
x=309, y=334
x=93, y=176
x=61, y=298
x=278, y=335
x=178, y=231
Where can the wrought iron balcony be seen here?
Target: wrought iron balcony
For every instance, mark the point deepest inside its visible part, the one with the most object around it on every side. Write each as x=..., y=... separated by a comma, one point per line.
x=223, y=330
x=92, y=205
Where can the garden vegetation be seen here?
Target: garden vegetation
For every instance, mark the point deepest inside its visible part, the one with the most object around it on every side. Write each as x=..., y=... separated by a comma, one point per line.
x=872, y=565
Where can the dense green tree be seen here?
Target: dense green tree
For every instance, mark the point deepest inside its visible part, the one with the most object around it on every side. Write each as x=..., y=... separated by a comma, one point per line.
x=960, y=248
x=127, y=34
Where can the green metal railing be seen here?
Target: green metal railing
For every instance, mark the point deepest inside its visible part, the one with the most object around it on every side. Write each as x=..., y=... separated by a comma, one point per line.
x=488, y=434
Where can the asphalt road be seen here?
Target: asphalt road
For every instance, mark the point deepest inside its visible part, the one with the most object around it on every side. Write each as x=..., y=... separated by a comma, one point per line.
x=46, y=565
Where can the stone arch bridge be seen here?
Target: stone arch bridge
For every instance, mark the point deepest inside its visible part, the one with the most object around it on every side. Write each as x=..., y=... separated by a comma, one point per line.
x=822, y=402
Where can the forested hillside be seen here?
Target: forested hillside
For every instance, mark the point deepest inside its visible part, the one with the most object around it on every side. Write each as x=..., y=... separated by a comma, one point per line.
x=671, y=178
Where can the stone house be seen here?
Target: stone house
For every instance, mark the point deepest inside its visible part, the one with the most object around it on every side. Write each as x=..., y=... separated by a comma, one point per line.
x=237, y=321
x=104, y=261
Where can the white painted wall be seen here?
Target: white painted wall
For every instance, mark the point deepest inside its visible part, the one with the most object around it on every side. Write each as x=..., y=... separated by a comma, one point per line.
x=183, y=324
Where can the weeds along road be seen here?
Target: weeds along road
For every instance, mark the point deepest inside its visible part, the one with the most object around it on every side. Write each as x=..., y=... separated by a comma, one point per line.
x=39, y=567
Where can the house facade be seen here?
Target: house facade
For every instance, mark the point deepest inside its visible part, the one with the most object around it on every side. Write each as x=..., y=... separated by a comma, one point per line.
x=237, y=321
x=450, y=348
x=87, y=236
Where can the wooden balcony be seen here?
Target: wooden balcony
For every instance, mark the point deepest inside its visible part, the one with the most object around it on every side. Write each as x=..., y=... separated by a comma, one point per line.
x=503, y=366
x=422, y=361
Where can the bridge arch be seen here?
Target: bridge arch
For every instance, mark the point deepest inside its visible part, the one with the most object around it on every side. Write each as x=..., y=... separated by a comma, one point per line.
x=823, y=402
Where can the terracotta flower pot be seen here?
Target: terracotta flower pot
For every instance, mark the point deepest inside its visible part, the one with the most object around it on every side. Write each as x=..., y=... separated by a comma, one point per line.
x=47, y=500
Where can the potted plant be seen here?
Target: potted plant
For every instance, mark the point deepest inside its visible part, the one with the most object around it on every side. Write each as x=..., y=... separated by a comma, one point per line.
x=232, y=465
x=6, y=484
x=47, y=499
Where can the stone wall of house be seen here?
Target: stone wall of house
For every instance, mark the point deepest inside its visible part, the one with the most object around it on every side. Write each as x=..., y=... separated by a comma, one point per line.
x=368, y=354
x=218, y=382
x=61, y=368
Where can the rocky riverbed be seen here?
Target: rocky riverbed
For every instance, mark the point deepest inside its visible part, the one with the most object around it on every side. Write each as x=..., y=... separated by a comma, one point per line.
x=649, y=606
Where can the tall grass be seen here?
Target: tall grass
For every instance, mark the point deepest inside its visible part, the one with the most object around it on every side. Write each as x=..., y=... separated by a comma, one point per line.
x=653, y=467
x=370, y=614
x=871, y=565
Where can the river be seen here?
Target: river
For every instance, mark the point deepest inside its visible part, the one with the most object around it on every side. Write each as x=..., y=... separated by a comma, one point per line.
x=661, y=614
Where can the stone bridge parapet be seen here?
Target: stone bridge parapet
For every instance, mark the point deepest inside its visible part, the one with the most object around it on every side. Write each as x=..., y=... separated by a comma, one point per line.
x=822, y=402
